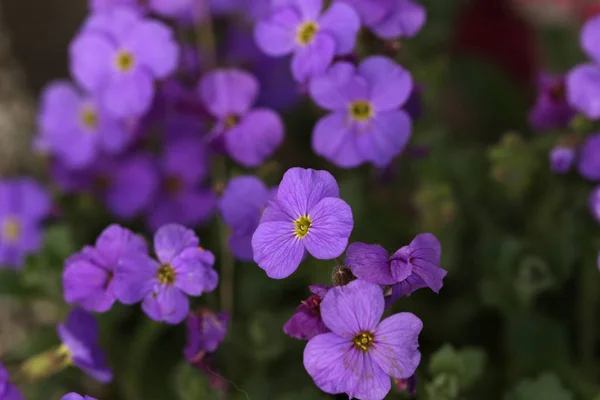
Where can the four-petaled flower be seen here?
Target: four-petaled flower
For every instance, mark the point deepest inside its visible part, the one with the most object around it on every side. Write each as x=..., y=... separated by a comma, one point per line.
x=183, y=268
x=366, y=123
x=360, y=353
x=306, y=215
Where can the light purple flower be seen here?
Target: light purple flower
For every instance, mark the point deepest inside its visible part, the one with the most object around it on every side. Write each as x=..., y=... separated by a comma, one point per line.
x=360, y=353
x=205, y=332
x=589, y=158
x=306, y=215
x=88, y=275
x=306, y=322
x=594, y=203
x=79, y=336
x=8, y=391
x=127, y=185
x=76, y=128
x=371, y=12
x=366, y=123
x=23, y=205
x=75, y=396
x=562, y=159
x=314, y=38
x=410, y=268
x=583, y=89
x=241, y=206
x=250, y=135
x=182, y=269
x=551, y=110
x=118, y=55
x=108, y=5
x=404, y=19
x=181, y=198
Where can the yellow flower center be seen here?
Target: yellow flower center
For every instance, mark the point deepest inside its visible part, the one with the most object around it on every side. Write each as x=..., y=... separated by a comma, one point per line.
x=231, y=121
x=124, y=61
x=306, y=32
x=11, y=229
x=361, y=110
x=301, y=226
x=363, y=341
x=166, y=274
x=88, y=117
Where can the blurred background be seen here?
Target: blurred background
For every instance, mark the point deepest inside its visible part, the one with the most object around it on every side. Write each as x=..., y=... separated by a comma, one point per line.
x=518, y=317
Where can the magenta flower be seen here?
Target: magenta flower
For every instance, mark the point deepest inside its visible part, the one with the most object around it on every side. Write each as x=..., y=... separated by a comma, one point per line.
x=23, y=205
x=182, y=269
x=8, y=391
x=88, y=275
x=360, y=353
x=241, y=206
x=366, y=123
x=306, y=215
x=118, y=55
x=79, y=336
x=594, y=203
x=205, y=332
x=75, y=128
x=314, y=38
x=589, y=158
x=551, y=110
x=410, y=268
x=306, y=322
x=250, y=135
x=75, y=396
x=562, y=159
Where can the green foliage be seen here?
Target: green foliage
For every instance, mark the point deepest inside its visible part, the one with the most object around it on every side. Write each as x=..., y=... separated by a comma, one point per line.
x=545, y=387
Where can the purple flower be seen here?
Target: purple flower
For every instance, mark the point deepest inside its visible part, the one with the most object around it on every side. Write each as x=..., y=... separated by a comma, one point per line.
x=79, y=336
x=88, y=275
x=551, y=110
x=250, y=135
x=366, y=123
x=241, y=206
x=360, y=353
x=306, y=322
x=75, y=128
x=407, y=385
x=562, y=159
x=23, y=204
x=410, y=268
x=205, y=332
x=108, y=5
x=127, y=185
x=181, y=198
x=118, y=55
x=594, y=203
x=8, y=391
x=75, y=396
x=589, y=158
x=404, y=19
x=298, y=27
x=182, y=269
x=306, y=215
x=371, y=12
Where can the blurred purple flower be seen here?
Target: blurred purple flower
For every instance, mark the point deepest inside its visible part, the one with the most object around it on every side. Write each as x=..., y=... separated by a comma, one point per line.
x=23, y=205
x=118, y=55
x=314, y=38
x=562, y=159
x=404, y=19
x=182, y=269
x=306, y=215
x=75, y=128
x=250, y=135
x=360, y=353
x=594, y=203
x=8, y=391
x=371, y=12
x=88, y=275
x=205, y=332
x=127, y=185
x=410, y=268
x=108, y=5
x=79, y=336
x=407, y=385
x=589, y=158
x=551, y=110
x=306, y=322
x=75, y=396
x=366, y=123
x=181, y=198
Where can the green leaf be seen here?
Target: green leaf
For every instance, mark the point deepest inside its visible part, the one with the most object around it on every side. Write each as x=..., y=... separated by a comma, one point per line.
x=467, y=364
x=546, y=387
x=191, y=384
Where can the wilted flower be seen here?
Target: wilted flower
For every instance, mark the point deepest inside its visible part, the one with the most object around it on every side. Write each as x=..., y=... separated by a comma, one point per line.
x=551, y=110
x=360, y=353
x=306, y=322
x=182, y=269
x=306, y=215
x=562, y=159
x=205, y=332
